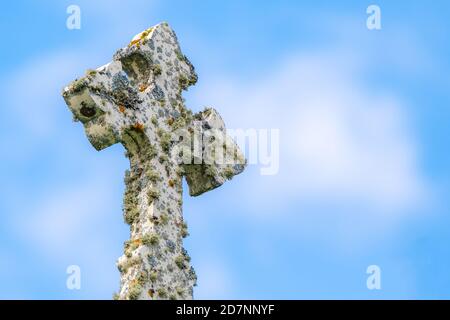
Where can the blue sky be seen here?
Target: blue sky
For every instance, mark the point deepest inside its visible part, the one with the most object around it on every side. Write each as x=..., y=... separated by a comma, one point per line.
x=364, y=157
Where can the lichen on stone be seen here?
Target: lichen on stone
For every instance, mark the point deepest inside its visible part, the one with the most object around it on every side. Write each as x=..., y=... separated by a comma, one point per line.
x=162, y=292
x=150, y=239
x=135, y=291
x=128, y=263
x=152, y=194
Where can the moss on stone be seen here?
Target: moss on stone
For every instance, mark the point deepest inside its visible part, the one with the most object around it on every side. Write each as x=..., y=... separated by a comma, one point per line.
x=163, y=158
x=179, y=55
x=91, y=72
x=180, y=261
x=156, y=68
x=183, y=81
x=154, y=120
x=210, y=171
x=153, y=276
x=180, y=291
x=153, y=175
x=142, y=278
x=130, y=246
x=164, y=218
x=184, y=230
x=152, y=194
x=165, y=140
x=179, y=171
x=150, y=239
x=162, y=293
x=228, y=173
x=78, y=85
x=179, y=123
x=150, y=150
x=128, y=263
x=134, y=291
x=131, y=214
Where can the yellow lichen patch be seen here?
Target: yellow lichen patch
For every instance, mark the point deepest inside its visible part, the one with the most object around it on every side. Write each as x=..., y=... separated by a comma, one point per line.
x=145, y=33
x=121, y=109
x=137, y=242
x=143, y=87
x=171, y=183
x=170, y=121
x=90, y=72
x=136, y=42
x=138, y=126
x=141, y=37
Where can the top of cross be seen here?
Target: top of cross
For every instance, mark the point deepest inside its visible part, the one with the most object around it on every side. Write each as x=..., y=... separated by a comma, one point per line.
x=136, y=100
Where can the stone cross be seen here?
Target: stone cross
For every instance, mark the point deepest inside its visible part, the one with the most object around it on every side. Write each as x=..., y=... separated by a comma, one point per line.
x=136, y=100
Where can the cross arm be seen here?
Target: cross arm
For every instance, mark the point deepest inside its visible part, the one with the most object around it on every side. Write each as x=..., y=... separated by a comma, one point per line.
x=216, y=157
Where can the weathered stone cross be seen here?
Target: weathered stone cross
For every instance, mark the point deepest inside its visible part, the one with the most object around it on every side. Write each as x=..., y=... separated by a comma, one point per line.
x=136, y=100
